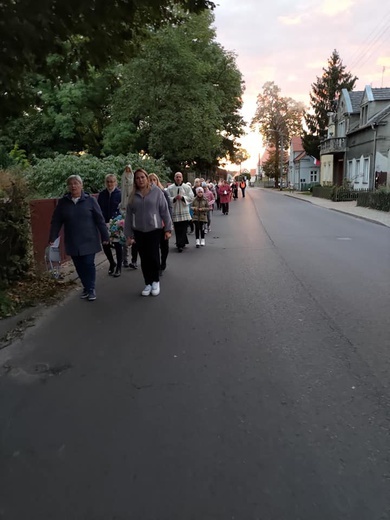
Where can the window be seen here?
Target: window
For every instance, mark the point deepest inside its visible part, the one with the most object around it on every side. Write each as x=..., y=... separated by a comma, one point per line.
x=364, y=114
x=313, y=176
x=341, y=129
x=366, y=169
x=350, y=170
x=357, y=169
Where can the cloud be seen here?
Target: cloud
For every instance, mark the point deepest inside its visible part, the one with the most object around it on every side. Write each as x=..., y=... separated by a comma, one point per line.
x=291, y=20
x=335, y=7
x=290, y=43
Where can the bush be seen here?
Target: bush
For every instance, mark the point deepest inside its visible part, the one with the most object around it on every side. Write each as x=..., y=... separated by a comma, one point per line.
x=379, y=199
x=15, y=243
x=48, y=176
x=323, y=192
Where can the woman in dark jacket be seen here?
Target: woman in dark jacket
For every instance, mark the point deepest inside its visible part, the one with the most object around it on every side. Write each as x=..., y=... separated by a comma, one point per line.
x=164, y=243
x=84, y=231
x=109, y=201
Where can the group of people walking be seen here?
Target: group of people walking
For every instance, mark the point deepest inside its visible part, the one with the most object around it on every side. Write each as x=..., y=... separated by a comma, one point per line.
x=138, y=217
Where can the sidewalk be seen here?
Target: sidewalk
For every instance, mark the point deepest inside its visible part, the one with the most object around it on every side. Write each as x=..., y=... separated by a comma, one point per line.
x=372, y=215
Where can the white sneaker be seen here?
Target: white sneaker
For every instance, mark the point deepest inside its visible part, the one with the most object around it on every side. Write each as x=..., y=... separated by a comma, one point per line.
x=197, y=242
x=202, y=242
x=147, y=290
x=155, y=288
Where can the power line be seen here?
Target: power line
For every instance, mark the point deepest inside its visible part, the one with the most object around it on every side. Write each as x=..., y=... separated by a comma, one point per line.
x=370, y=42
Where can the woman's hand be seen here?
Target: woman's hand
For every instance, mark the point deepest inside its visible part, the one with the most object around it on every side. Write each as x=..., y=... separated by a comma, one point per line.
x=167, y=235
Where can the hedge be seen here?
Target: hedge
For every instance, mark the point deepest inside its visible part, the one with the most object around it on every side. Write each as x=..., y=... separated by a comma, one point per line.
x=47, y=177
x=15, y=238
x=379, y=199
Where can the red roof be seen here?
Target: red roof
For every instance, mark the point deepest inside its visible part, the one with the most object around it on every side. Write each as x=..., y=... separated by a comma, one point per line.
x=296, y=144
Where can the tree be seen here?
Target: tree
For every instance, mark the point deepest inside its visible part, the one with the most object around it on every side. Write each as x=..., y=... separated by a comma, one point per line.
x=69, y=116
x=31, y=31
x=279, y=118
x=241, y=156
x=180, y=98
x=323, y=99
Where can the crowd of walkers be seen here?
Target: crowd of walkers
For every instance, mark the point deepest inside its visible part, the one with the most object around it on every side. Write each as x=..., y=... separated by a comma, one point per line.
x=137, y=219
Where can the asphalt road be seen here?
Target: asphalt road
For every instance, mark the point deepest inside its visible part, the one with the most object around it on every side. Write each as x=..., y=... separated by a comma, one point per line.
x=255, y=387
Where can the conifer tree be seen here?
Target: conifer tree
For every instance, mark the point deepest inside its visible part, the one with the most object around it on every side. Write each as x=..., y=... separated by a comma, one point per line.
x=323, y=99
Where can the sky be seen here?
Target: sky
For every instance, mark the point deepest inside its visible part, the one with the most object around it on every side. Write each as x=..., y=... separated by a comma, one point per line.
x=289, y=42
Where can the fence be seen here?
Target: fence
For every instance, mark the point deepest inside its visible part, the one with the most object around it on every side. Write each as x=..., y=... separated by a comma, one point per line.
x=336, y=193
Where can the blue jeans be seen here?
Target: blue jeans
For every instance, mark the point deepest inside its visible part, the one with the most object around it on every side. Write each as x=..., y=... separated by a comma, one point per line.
x=85, y=267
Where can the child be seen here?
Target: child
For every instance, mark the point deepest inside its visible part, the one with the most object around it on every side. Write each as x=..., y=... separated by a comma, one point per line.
x=200, y=207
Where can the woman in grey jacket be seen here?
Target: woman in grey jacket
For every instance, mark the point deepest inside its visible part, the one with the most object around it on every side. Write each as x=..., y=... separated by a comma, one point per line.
x=147, y=217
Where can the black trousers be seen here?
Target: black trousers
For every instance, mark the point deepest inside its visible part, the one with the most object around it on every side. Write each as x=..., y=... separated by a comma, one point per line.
x=199, y=228
x=225, y=207
x=164, y=250
x=149, y=252
x=181, y=233
x=118, y=252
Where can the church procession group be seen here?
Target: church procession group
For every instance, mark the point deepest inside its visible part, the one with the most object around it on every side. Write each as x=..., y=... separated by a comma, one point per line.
x=137, y=219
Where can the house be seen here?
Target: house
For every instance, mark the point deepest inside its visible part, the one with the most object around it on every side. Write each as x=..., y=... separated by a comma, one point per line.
x=356, y=150
x=303, y=169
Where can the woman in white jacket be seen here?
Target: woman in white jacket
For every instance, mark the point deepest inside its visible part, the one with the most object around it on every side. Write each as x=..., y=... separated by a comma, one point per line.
x=147, y=217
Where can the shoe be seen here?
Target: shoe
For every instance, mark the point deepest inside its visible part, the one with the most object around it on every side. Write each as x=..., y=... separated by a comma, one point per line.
x=197, y=242
x=180, y=249
x=133, y=265
x=160, y=273
x=111, y=269
x=117, y=273
x=91, y=296
x=147, y=290
x=126, y=264
x=202, y=242
x=163, y=267
x=155, y=288
x=84, y=294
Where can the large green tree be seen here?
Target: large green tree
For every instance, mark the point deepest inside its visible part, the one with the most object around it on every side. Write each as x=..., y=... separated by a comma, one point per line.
x=278, y=118
x=180, y=98
x=32, y=30
x=69, y=116
x=323, y=99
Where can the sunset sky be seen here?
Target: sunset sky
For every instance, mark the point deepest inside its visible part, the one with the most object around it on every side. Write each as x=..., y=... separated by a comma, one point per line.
x=290, y=42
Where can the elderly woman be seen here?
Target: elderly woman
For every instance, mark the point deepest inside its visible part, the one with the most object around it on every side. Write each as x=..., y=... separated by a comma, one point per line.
x=225, y=192
x=109, y=201
x=147, y=217
x=84, y=231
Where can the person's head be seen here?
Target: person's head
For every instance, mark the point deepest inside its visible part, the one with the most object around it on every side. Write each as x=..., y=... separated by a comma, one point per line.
x=75, y=185
x=204, y=186
x=141, y=179
x=197, y=183
x=199, y=192
x=155, y=180
x=178, y=178
x=111, y=181
x=141, y=183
